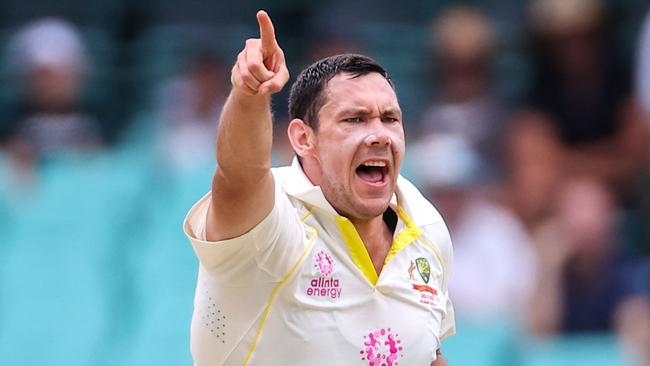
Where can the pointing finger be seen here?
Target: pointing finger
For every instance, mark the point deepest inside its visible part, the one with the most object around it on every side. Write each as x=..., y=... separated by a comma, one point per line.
x=267, y=32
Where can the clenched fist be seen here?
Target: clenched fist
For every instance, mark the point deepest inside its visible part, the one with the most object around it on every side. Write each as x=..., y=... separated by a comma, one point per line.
x=260, y=68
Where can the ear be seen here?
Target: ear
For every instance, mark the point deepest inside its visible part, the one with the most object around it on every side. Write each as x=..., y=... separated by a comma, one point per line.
x=302, y=138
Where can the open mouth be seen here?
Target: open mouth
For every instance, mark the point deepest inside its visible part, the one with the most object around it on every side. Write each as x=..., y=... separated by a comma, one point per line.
x=373, y=171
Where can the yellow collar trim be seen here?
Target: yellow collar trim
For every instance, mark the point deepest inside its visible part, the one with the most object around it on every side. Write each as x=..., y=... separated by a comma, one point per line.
x=405, y=237
x=359, y=252
x=357, y=249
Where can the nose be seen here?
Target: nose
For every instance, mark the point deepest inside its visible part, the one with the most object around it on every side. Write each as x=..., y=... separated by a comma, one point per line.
x=378, y=136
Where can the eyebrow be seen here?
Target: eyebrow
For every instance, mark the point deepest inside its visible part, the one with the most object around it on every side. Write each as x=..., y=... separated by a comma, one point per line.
x=391, y=112
x=353, y=111
x=364, y=112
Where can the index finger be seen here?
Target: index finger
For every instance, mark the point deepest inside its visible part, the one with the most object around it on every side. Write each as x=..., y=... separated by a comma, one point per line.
x=267, y=32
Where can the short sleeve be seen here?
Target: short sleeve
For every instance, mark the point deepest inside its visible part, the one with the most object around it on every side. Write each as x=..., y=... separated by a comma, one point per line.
x=439, y=234
x=448, y=327
x=273, y=245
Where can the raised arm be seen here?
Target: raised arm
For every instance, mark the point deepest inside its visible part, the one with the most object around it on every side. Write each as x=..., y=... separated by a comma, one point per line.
x=243, y=187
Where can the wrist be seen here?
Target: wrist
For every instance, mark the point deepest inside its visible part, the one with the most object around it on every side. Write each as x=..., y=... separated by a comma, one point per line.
x=245, y=98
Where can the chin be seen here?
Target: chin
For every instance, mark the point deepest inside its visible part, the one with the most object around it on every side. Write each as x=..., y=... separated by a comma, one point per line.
x=371, y=210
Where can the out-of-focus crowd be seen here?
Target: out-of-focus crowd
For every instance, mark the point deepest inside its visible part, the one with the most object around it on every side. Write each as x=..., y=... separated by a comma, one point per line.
x=528, y=127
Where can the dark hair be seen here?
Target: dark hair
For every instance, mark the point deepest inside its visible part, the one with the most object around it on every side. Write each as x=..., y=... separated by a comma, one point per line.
x=306, y=97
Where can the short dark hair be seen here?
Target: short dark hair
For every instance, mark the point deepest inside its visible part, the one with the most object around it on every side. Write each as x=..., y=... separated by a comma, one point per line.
x=306, y=97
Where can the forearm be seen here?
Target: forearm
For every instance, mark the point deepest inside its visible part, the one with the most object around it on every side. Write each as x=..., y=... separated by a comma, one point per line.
x=243, y=187
x=244, y=138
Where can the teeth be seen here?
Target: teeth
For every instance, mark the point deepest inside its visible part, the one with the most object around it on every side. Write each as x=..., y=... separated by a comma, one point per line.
x=375, y=163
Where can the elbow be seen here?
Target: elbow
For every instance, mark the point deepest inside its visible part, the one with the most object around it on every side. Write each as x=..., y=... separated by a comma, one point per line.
x=239, y=178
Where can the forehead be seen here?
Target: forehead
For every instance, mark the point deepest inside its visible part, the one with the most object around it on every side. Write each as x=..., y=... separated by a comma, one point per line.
x=371, y=90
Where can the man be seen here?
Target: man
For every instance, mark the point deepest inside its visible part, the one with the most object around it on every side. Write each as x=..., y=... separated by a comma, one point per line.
x=334, y=260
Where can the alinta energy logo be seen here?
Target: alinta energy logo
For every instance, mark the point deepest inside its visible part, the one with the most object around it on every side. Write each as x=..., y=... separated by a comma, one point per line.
x=324, y=285
x=428, y=294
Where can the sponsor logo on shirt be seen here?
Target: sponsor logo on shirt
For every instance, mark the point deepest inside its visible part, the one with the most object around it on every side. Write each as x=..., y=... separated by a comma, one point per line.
x=381, y=347
x=324, y=285
x=428, y=294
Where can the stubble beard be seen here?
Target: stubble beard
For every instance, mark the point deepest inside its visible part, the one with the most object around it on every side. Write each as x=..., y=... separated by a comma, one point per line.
x=344, y=203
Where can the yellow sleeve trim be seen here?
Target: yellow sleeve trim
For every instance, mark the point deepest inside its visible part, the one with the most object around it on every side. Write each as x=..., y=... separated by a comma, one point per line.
x=274, y=294
x=357, y=249
x=438, y=255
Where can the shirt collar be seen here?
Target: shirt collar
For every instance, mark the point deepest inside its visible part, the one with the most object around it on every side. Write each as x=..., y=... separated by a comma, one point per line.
x=299, y=186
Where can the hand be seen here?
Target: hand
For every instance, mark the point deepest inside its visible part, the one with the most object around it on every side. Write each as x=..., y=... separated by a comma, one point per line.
x=440, y=361
x=260, y=68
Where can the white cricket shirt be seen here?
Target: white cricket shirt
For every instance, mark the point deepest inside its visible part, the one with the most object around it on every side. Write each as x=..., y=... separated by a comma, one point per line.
x=300, y=288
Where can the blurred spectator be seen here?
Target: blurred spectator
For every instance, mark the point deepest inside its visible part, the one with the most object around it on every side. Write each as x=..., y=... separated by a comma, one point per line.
x=643, y=66
x=188, y=114
x=584, y=89
x=50, y=119
x=583, y=276
x=175, y=133
x=494, y=263
x=534, y=166
x=329, y=43
x=458, y=161
x=633, y=328
x=466, y=104
x=642, y=90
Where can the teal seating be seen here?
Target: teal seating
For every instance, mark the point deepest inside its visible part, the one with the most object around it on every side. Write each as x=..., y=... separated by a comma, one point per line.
x=491, y=344
x=585, y=350
x=60, y=275
x=501, y=343
x=53, y=293
x=163, y=51
x=165, y=270
x=403, y=49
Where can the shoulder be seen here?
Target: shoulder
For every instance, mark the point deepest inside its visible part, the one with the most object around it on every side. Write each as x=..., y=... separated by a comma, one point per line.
x=426, y=218
x=286, y=178
x=415, y=204
x=195, y=221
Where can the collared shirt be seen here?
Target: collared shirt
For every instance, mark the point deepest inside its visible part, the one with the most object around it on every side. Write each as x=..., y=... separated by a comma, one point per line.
x=300, y=287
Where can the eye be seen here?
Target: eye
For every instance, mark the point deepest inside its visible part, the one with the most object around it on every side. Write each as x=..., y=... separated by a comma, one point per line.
x=389, y=119
x=353, y=119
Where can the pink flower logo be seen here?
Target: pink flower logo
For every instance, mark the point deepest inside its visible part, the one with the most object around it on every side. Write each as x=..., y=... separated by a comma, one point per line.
x=381, y=348
x=324, y=263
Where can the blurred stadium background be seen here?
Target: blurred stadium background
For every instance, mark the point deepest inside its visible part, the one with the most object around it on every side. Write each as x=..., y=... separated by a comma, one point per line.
x=527, y=125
